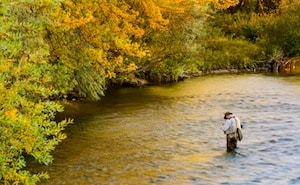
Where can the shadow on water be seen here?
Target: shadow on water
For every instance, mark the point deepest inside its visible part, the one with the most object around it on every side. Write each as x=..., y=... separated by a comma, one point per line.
x=171, y=134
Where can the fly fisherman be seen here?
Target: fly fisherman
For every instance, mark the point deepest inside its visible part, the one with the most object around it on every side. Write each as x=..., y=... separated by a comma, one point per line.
x=230, y=129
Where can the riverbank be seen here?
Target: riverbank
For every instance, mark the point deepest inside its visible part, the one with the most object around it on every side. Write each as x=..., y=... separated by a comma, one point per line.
x=138, y=82
x=285, y=66
x=272, y=66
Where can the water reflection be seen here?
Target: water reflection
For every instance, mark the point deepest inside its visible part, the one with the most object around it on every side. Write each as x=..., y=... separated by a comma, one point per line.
x=171, y=134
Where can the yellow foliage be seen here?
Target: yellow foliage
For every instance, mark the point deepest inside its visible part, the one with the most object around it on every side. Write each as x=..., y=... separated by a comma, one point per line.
x=224, y=4
x=119, y=60
x=6, y=67
x=154, y=14
x=11, y=113
x=110, y=74
x=131, y=67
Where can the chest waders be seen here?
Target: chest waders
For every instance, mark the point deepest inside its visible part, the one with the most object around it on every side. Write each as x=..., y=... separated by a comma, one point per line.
x=231, y=142
x=231, y=138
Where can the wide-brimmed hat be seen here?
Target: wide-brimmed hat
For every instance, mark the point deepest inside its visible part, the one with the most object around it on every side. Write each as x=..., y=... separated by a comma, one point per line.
x=227, y=113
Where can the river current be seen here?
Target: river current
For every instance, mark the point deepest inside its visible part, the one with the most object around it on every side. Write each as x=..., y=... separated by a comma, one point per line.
x=171, y=134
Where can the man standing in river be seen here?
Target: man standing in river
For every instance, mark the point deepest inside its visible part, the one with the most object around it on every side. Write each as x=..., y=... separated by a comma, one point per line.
x=229, y=127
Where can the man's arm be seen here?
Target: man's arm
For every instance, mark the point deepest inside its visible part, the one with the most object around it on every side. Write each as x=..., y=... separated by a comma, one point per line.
x=226, y=125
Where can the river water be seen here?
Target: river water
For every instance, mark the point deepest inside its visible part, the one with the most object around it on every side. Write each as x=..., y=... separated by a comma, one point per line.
x=171, y=134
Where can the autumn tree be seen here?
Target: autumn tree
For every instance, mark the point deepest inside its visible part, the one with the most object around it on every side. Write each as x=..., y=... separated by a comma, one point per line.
x=167, y=35
x=109, y=42
x=98, y=40
x=27, y=81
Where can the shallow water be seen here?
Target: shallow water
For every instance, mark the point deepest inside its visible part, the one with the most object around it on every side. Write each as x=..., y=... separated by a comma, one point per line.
x=171, y=134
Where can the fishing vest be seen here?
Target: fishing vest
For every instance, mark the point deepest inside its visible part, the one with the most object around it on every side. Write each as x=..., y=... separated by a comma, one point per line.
x=232, y=127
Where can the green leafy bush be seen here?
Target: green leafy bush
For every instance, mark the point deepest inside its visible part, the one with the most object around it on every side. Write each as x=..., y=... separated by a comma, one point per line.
x=27, y=82
x=281, y=31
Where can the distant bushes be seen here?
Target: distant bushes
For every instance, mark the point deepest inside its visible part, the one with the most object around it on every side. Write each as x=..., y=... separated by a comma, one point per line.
x=239, y=39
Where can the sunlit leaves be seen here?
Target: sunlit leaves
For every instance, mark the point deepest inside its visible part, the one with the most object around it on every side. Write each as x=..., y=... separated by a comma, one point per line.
x=94, y=38
x=27, y=81
x=224, y=4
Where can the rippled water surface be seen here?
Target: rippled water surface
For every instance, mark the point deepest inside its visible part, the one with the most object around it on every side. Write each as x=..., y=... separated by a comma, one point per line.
x=171, y=134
